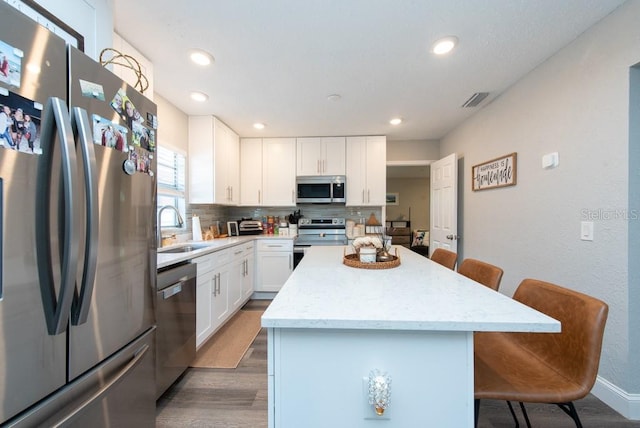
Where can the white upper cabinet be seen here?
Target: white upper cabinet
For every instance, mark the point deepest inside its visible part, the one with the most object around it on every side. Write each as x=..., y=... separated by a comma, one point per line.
x=214, y=162
x=251, y=171
x=320, y=156
x=366, y=171
x=278, y=172
x=268, y=172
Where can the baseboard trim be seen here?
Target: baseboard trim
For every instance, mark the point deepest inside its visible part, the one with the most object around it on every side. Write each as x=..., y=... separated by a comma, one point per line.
x=628, y=405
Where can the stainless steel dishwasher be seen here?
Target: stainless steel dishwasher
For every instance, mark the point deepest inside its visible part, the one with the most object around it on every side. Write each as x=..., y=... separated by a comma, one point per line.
x=176, y=323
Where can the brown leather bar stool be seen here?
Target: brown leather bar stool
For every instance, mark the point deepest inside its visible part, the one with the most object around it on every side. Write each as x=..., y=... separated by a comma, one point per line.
x=445, y=257
x=484, y=273
x=554, y=368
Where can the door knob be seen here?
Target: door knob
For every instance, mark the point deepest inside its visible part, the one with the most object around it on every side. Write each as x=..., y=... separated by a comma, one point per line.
x=453, y=237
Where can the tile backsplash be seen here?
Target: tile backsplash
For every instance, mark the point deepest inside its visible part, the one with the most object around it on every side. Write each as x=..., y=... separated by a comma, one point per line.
x=210, y=213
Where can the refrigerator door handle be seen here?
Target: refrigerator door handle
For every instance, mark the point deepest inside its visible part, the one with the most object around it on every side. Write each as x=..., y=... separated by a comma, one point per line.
x=1, y=235
x=56, y=308
x=84, y=138
x=104, y=389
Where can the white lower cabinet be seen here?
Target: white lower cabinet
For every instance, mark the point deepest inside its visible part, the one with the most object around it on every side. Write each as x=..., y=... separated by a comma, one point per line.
x=248, y=279
x=241, y=281
x=205, y=284
x=274, y=264
x=237, y=272
x=224, y=283
x=212, y=283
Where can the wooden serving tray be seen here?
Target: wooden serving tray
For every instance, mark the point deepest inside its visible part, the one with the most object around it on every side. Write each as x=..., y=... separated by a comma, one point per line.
x=353, y=260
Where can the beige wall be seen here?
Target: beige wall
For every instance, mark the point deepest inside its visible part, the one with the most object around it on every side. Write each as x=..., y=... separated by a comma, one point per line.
x=173, y=125
x=413, y=150
x=414, y=192
x=576, y=104
x=413, y=201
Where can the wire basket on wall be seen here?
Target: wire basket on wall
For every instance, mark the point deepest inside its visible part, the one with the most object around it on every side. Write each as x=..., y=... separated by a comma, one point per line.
x=126, y=61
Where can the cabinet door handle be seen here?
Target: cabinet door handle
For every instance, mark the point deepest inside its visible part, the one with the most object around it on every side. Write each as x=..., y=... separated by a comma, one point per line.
x=324, y=165
x=318, y=170
x=259, y=196
x=293, y=196
x=290, y=261
x=363, y=196
x=219, y=283
x=368, y=196
x=215, y=285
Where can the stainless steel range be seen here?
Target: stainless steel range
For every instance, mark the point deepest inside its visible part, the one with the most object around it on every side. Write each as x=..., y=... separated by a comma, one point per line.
x=318, y=231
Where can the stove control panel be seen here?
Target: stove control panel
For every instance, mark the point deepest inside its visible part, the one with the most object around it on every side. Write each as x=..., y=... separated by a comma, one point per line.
x=321, y=222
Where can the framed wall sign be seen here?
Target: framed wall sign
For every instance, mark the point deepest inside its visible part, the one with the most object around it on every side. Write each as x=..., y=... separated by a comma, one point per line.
x=499, y=172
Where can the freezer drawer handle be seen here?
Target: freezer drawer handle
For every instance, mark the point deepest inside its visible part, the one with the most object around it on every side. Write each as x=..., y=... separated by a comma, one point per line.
x=56, y=307
x=172, y=291
x=138, y=356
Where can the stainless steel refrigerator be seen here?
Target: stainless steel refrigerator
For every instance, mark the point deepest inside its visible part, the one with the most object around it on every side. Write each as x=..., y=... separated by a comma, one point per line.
x=78, y=258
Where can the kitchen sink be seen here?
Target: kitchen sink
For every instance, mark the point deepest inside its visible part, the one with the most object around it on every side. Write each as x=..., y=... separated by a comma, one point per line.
x=183, y=249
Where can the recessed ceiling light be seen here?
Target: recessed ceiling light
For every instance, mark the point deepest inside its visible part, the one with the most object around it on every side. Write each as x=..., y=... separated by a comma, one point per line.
x=201, y=57
x=199, y=96
x=334, y=97
x=259, y=125
x=395, y=121
x=444, y=45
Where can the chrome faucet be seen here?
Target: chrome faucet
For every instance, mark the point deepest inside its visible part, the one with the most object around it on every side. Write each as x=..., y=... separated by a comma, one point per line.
x=159, y=227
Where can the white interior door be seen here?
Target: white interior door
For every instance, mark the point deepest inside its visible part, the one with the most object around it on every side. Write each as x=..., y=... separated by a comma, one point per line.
x=444, y=204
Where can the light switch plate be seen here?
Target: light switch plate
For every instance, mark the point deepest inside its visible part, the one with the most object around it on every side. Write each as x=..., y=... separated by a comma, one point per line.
x=586, y=230
x=550, y=160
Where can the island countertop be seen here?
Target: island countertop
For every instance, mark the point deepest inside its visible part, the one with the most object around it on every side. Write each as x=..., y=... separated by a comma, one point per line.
x=323, y=293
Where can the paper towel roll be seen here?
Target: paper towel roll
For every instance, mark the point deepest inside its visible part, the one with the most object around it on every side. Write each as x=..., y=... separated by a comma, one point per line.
x=197, y=230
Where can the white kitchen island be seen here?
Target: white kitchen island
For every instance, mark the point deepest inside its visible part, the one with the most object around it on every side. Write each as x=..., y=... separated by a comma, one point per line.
x=331, y=325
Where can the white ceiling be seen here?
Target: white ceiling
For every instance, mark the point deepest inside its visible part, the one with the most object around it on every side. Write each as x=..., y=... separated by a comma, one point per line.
x=276, y=61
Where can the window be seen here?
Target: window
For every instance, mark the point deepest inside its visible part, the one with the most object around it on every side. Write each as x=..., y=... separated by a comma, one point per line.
x=171, y=185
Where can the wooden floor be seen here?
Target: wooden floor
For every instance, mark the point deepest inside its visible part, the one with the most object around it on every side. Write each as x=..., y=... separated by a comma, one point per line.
x=225, y=398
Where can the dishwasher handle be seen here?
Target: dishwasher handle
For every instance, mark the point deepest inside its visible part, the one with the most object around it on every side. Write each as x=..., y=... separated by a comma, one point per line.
x=172, y=290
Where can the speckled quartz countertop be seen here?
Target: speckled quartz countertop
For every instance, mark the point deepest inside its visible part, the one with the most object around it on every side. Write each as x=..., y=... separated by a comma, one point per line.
x=165, y=259
x=417, y=295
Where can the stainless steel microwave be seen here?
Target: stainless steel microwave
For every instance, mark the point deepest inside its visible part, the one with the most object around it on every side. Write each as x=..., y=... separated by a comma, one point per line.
x=321, y=190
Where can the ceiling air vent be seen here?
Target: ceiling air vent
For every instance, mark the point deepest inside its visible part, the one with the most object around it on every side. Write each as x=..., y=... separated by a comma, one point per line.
x=475, y=99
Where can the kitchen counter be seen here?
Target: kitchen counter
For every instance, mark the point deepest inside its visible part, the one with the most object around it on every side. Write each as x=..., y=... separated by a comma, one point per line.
x=167, y=259
x=417, y=295
x=331, y=325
